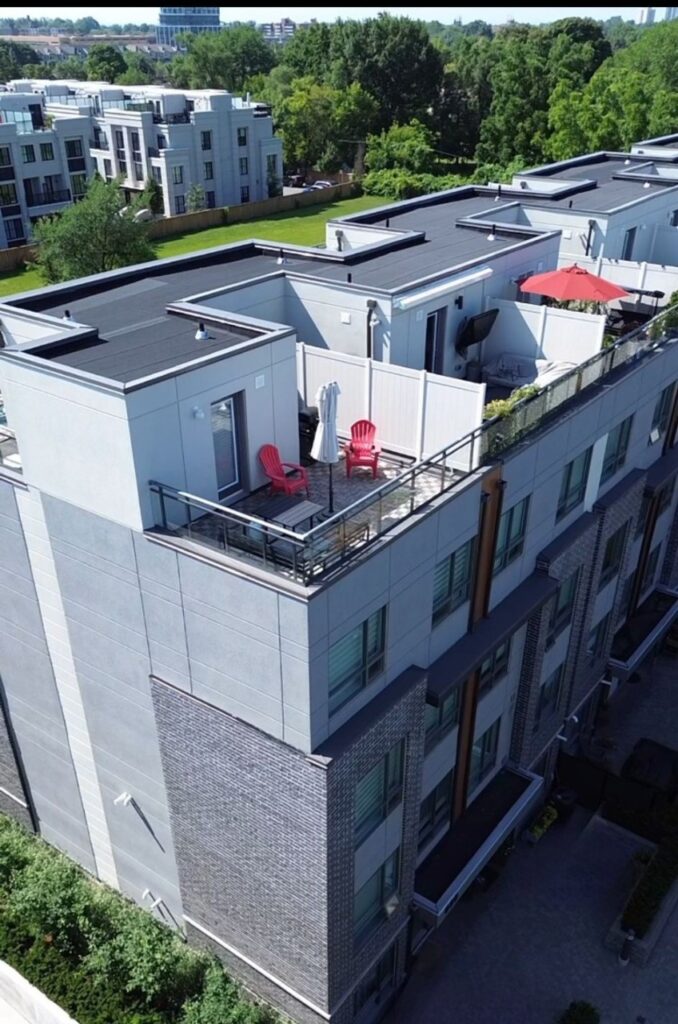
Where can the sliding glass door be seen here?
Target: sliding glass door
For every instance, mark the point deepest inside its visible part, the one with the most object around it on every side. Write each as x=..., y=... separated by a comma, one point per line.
x=226, y=445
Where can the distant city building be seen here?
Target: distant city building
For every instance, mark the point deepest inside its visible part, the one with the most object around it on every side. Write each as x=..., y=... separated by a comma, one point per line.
x=278, y=31
x=647, y=15
x=670, y=13
x=55, y=135
x=175, y=20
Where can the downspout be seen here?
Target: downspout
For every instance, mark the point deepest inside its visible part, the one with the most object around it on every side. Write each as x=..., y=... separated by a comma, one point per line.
x=587, y=247
x=371, y=323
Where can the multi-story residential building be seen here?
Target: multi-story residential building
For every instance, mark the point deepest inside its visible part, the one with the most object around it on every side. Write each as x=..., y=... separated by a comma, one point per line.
x=302, y=745
x=175, y=21
x=44, y=164
x=278, y=31
x=208, y=137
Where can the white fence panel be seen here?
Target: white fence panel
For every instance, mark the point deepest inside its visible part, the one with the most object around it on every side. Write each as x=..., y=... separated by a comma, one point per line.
x=396, y=407
x=631, y=274
x=542, y=332
x=21, y=1001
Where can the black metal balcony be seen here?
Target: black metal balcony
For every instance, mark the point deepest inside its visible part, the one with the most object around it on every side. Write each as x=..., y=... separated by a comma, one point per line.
x=57, y=195
x=181, y=118
x=7, y=173
x=153, y=151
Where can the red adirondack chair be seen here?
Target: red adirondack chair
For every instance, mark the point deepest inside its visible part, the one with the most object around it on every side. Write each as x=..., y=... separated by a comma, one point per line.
x=269, y=456
x=361, y=450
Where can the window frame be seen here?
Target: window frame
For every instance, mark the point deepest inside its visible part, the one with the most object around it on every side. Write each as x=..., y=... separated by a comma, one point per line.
x=378, y=980
x=509, y=544
x=8, y=188
x=614, y=549
x=208, y=170
x=570, y=499
x=561, y=614
x=614, y=459
x=493, y=731
x=46, y=147
x=497, y=663
x=244, y=194
x=454, y=596
x=440, y=799
x=241, y=135
x=553, y=686
x=77, y=144
x=650, y=571
x=390, y=795
x=6, y=156
x=177, y=174
x=387, y=879
x=665, y=497
x=205, y=134
x=28, y=153
x=595, y=642
x=372, y=663
x=662, y=411
x=448, y=713
x=180, y=201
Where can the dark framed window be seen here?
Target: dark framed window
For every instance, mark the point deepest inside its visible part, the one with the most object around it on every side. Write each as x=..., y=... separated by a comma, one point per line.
x=377, y=982
x=78, y=185
x=74, y=147
x=642, y=514
x=357, y=659
x=511, y=535
x=8, y=194
x=5, y=156
x=625, y=600
x=595, y=644
x=14, y=229
x=136, y=145
x=661, y=414
x=674, y=219
x=157, y=174
x=180, y=204
x=370, y=903
x=549, y=695
x=162, y=142
x=210, y=200
x=28, y=154
x=573, y=484
x=379, y=792
x=563, y=607
x=665, y=496
x=612, y=557
x=244, y=194
x=205, y=140
x=435, y=810
x=616, y=449
x=484, y=755
x=271, y=165
x=108, y=170
x=494, y=667
x=177, y=175
x=442, y=719
x=650, y=568
x=244, y=166
x=242, y=136
x=208, y=170
x=629, y=241
x=452, y=581
x=46, y=151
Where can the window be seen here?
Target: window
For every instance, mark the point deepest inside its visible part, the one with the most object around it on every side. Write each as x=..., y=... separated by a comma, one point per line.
x=78, y=185
x=627, y=592
x=205, y=140
x=245, y=194
x=208, y=170
x=673, y=219
x=595, y=644
x=662, y=414
x=441, y=719
x=46, y=151
x=563, y=607
x=210, y=200
x=136, y=145
x=616, y=448
x=376, y=982
x=138, y=171
x=650, y=569
x=157, y=174
x=494, y=667
x=180, y=204
x=629, y=239
x=379, y=792
x=108, y=170
x=370, y=902
x=484, y=755
x=272, y=165
x=28, y=154
x=642, y=514
x=162, y=142
x=573, y=485
x=15, y=231
x=5, y=156
x=511, y=535
x=8, y=195
x=119, y=139
x=665, y=496
x=74, y=146
x=435, y=810
x=549, y=695
x=614, y=552
x=356, y=659
x=452, y=581
x=178, y=175
x=242, y=136
x=244, y=168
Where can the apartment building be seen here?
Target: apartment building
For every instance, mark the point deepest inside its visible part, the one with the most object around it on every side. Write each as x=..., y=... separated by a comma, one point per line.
x=175, y=21
x=302, y=745
x=223, y=143
x=44, y=164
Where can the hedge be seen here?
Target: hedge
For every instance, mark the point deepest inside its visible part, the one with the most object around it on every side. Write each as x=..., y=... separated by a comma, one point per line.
x=97, y=955
x=653, y=885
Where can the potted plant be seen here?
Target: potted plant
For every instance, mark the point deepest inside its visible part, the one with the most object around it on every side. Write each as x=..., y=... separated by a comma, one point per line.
x=542, y=824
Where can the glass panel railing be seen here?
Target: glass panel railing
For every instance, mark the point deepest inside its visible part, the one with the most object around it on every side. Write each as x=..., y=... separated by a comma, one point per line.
x=9, y=451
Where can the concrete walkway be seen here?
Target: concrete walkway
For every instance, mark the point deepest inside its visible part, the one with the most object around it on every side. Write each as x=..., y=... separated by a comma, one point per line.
x=519, y=953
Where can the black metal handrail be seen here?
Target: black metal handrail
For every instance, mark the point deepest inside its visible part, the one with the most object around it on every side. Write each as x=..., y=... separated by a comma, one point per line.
x=57, y=195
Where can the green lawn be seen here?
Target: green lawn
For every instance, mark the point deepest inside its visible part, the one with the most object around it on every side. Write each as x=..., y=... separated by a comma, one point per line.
x=302, y=227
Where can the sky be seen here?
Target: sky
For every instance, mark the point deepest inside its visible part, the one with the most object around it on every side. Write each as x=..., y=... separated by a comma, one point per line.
x=494, y=15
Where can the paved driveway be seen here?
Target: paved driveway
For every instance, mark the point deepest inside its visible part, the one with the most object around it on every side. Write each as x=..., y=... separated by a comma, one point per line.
x=519, y=953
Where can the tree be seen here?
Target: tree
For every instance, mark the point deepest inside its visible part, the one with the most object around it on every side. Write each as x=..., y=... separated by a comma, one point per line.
x=13, y=56
x=304, y=122
x=223, y=60
x=104, y=63
x=36, y=71
x=405, y=147
x=83, y=26
x=308, y=51
x=91, y=236
x=140, y=70
x=195, y=198
x=72, y=67
x=355, y=116
x=151, y=197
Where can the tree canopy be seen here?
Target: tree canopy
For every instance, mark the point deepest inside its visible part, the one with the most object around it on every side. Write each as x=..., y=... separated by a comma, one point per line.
x=91, y=236
x=222, y=60
x=104, y=63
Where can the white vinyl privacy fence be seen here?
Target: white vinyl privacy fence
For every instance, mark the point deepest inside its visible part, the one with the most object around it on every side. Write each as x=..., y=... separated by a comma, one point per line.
x=629, y=273
x=543, y=332
x=22, y=1003
x=416, y=413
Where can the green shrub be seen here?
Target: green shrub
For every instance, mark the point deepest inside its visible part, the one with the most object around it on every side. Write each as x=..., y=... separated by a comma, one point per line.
x=504, y=406
x=96, y=954
x=580, y=1012
x=401, y=184
x=653, y=885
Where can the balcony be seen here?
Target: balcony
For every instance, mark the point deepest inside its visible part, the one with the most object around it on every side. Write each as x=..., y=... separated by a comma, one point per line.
x=181, y=118
x=9, y=451
x=57, y=195
x=153, y=151
x=101, y=143
x=643, y=632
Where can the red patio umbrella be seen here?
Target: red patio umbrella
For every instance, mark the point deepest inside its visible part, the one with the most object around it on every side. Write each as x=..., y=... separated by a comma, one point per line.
x=573, y=283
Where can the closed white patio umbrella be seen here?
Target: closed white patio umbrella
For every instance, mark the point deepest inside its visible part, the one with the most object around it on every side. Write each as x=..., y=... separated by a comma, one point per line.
x=325, y=446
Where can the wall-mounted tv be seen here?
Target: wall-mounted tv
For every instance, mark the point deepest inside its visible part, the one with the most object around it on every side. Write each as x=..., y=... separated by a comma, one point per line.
x=475, y=329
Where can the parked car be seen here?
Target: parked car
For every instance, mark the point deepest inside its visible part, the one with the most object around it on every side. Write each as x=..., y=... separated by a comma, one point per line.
x=296, y=181
x=325, y=184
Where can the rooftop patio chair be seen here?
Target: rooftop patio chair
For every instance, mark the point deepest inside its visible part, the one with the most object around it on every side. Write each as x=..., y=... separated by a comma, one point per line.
x=274, y=468
x=361, y=450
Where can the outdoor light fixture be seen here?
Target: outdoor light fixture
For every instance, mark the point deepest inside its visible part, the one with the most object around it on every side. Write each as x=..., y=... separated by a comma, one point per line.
x=198, y=413
x=67, y=317
x=459, y=302
x=491, y=237
x=201, y=334
x=124, y=798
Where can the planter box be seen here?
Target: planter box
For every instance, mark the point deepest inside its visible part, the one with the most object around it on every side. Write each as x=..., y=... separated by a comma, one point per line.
x=641, y=949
